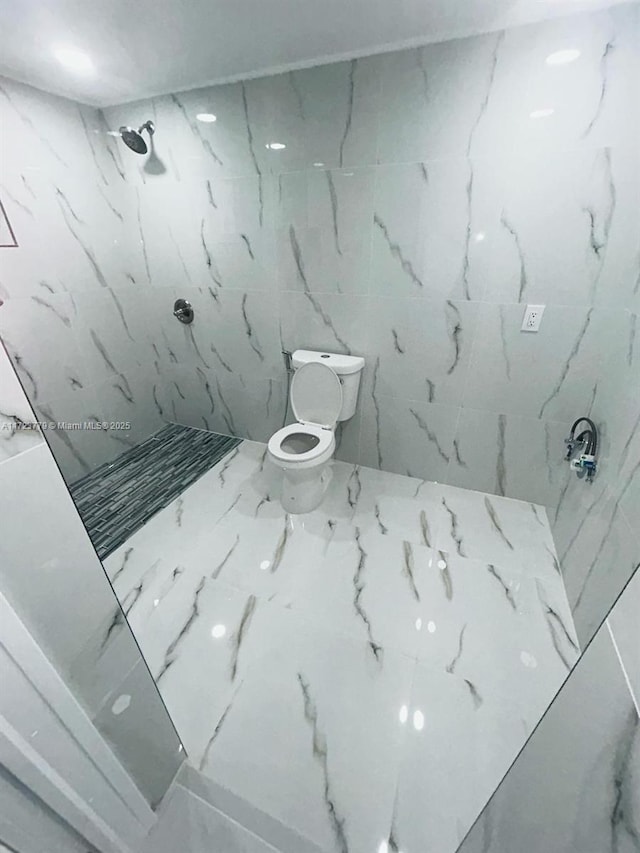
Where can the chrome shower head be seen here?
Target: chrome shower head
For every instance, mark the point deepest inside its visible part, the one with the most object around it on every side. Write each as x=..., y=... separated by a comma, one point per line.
x=134, y=140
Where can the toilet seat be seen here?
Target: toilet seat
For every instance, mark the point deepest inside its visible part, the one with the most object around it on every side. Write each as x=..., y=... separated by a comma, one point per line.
x=316, y=400
x=319, y=453
x=316, y=395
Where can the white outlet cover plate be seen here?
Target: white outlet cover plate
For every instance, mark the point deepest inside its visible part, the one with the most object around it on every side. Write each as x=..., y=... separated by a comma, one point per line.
x=532, y=318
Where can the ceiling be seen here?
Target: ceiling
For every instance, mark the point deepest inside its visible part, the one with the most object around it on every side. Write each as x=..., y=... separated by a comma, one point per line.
x=148, y=47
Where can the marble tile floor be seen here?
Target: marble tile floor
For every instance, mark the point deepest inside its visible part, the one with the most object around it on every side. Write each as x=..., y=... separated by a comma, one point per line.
x=363, y=674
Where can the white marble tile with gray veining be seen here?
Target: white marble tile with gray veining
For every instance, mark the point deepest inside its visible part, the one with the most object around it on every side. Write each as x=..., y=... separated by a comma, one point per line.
x=550, y=375
x=467, y=744
x=435, y=105
x=510, y=455
x=558, y=794
x=17, y=429
x=424, y=348
x=324, y=233
x=423, y=232
x=409, y=437
x=598, y=551
x=79, y=449
x=305, y=704
x=323, y=321
x=521, y=242
x=374, y=577
x=32, y=330
x=445, y=182
x=500, y=629
x=501, y=530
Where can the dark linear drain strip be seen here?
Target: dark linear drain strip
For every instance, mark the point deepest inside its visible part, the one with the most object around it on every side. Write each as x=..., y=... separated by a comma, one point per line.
x=119, y=497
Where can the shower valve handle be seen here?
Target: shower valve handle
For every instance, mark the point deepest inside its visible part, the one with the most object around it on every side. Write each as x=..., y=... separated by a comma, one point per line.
x=183, y=311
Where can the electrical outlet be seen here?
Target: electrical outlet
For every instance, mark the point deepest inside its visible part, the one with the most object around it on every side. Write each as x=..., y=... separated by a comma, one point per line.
x=532, y=318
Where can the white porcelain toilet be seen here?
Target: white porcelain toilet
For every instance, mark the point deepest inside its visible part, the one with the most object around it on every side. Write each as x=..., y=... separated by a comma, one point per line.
x=324, y=390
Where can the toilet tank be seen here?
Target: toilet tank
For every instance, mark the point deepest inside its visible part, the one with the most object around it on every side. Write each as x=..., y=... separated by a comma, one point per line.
x=348, y=369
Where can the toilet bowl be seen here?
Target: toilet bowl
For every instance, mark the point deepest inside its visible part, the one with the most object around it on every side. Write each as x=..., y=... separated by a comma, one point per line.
x=323, y=391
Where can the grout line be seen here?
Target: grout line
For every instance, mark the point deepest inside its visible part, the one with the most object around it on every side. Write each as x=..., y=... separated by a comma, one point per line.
x=24, y=452
x=369, y=361
x=624, y=669
x=293, y=835
x=222, y=815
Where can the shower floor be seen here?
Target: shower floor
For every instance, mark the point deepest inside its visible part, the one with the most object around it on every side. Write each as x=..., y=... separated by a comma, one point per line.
x=363, y=674
x=121, y=496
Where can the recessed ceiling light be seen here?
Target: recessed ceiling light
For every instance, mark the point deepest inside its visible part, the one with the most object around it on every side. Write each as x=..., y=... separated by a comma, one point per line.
x=544, y=113
x=275, y=146
x=318, y=165
x=562, y=57
x=74, y=60
x=206, y=117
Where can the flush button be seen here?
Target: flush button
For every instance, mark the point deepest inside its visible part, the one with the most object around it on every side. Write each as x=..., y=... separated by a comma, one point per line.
x=325, y=356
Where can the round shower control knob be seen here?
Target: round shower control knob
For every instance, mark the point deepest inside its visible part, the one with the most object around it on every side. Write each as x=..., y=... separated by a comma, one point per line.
x=183, y=311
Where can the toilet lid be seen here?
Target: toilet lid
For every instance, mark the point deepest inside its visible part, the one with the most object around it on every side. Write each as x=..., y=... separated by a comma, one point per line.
x=316, y=394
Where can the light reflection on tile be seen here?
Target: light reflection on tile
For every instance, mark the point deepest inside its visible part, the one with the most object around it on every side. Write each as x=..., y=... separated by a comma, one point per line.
x=305, y=659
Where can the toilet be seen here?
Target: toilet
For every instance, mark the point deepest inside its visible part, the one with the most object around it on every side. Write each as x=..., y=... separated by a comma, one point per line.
x=324, y=390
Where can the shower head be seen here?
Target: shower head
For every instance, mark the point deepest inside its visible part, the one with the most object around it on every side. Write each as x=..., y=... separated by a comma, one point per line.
x=134, y=140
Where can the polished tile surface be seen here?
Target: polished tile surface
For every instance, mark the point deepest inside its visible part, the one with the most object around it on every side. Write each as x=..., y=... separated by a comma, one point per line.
x=575, y=787
x=17, y=429
x=420, y=203
x=50, y=574
x=365, y=673
x=188, y=824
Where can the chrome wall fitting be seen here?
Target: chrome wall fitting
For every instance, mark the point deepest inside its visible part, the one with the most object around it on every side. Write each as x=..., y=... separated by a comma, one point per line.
x=582, y=449
x=183, y=311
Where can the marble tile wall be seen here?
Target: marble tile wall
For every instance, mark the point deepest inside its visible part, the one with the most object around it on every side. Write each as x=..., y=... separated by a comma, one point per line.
x=416, y=209
x=597, y=528
x=624, y=622
x=73, y=317
x=51, y=574
x=575, y=786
